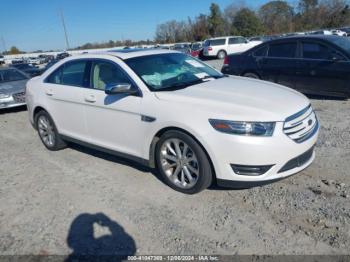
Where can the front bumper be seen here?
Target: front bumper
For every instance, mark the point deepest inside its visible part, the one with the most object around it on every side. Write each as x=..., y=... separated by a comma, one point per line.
x=13, y=101
x=277, y=151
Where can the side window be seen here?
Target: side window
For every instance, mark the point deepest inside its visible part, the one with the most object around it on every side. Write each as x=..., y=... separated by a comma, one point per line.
x=73, y=74
x=233, y=41
x=70, y=73
x=283, y=50
x=218, y=42
x=260, y=51
x=105, y=74
x=56, y=76
x=319, y=51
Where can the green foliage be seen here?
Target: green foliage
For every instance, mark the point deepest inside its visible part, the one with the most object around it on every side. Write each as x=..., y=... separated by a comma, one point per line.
x=246, y=23
x=216, y=21
x=15, y=51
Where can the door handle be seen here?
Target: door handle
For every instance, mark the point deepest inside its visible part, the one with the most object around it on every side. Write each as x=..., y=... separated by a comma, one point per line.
x=90, y=99
x=49, y=92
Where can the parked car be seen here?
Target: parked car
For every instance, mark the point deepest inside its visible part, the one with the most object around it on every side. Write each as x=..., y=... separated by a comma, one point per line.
x=339, y=32
x=183, y=47
x=2, y=59
x=346, y=30
x=33, y=60
x=168, y=110
x=12, y=87
x=51, y=63
x=17, y=61
x=28, y=69
x=321, y=32
x=317, y=65
x=221, y=46
x=62, y=55
x=196, y=49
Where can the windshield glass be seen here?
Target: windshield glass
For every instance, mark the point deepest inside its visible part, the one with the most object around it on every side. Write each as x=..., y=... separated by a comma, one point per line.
x=164, y=72
x=342, y=42
x=11, y=75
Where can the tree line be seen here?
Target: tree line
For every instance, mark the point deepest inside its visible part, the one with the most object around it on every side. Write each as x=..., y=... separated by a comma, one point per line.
x=274, y=17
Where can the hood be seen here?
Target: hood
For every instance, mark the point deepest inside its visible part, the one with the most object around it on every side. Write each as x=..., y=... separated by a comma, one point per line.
x=13, y=87
x=240, y=99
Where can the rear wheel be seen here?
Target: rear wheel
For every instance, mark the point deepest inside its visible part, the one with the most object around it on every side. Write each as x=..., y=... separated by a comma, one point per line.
x=251, y=75
x=221, y=54
x=183, y=163
x=48, y=132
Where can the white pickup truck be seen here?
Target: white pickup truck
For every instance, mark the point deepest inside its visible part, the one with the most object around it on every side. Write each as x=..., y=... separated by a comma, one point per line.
x=221, y=46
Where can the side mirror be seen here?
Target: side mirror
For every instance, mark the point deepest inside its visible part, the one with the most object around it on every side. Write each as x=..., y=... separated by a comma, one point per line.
x=122, y=88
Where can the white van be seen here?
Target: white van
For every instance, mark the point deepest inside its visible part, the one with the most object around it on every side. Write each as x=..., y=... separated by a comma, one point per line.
x=222, y=46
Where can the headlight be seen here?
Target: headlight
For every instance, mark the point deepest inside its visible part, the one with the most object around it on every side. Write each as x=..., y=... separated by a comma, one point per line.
x=243, y=128
x=2, y=96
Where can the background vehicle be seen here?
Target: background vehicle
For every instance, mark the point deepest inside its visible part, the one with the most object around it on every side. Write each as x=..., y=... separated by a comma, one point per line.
x=17, y=61
x=196, y=49
x=168, y=110
x=51, y=63
x=183, y=47
x=2, y=59
x=221, y=46
x=12, y=87
x=261, y=39
x=28, y=69
x=62, y=55
x=346, y=30
x=311, y=64
x=33, y=61
x=321, y=32
x=339, y=32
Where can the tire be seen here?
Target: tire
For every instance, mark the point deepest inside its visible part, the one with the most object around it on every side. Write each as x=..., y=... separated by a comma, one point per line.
x=47, y=132
x=251, y=75
x=188, y=174
x=221, y=54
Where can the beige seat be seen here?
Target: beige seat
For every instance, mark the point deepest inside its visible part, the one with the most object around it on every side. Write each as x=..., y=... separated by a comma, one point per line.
x=103, y=75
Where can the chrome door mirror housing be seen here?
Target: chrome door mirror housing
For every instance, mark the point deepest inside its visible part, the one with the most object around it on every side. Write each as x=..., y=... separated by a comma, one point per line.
x=120, y=88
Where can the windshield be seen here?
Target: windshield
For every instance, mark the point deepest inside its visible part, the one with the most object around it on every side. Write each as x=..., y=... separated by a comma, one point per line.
x=342, y=42
x=164, y=72
x=11, y=75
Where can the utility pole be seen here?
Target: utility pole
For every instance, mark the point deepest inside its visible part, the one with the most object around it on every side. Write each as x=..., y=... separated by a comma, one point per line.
x=65, y=29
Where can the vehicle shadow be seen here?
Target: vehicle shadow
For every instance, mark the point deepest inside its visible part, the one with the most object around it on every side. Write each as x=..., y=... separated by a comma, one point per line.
x=116, y=159
x=97, y=237
x=13, y=110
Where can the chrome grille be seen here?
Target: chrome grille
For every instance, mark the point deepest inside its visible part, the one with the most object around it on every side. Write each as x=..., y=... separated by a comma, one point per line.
x=302, y=125
x=19, y=97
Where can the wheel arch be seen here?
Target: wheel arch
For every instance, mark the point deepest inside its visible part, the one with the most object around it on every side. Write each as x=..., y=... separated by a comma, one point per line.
x=156, y=137
x=221, y=50
x=36, y=110
x=252, y=72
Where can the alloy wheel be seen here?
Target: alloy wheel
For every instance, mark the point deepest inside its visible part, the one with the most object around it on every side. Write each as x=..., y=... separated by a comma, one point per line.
x=179, y=163
x=46, y=131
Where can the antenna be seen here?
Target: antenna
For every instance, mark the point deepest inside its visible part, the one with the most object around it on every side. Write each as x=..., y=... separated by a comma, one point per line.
x=65, y=29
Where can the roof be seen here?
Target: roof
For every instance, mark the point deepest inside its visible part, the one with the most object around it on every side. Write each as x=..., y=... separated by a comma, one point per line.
x=322, y=37
x=130, y=53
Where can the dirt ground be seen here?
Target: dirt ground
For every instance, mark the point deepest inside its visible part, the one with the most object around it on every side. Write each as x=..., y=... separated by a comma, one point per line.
x=82, y=201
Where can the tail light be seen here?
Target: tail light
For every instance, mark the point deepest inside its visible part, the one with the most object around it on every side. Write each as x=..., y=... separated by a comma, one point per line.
x=210, y=48
x=226, y=60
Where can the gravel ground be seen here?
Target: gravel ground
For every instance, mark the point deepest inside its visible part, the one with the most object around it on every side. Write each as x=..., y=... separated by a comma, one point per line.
x=81, y=201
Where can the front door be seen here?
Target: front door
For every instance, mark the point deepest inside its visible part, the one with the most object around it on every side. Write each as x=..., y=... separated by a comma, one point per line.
x=113, y=121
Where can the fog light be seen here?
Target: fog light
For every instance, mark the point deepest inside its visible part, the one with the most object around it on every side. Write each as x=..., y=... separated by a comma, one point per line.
x=244, y=170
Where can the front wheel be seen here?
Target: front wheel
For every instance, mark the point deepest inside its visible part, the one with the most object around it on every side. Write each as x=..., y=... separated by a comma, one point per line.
x=48, y=132
x=182, y=162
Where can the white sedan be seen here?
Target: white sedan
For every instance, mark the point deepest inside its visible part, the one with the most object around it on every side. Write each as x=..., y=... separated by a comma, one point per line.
x=172, y=112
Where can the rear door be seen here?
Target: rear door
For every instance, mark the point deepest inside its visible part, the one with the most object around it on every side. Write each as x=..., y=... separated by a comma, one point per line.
x=322, y=69
x=64, y=92
x=280, y=63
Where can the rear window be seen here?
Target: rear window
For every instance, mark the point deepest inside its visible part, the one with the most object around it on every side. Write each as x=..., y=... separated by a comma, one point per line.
x=283, y=50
